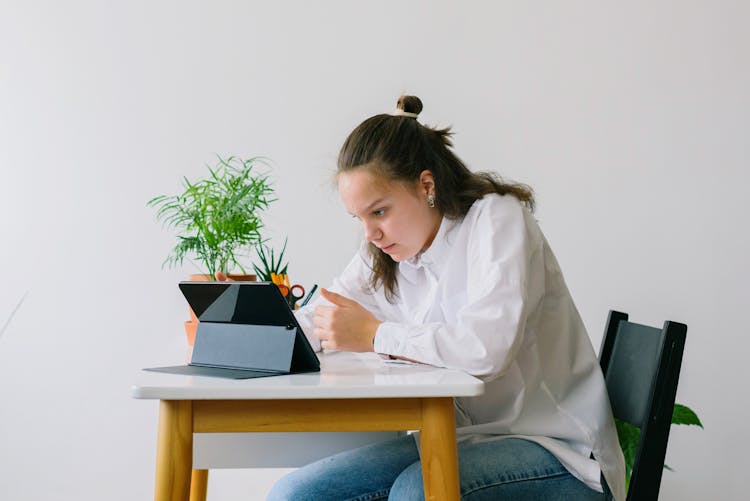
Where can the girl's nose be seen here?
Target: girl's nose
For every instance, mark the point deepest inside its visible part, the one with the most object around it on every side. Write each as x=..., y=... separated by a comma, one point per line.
x=372, y=233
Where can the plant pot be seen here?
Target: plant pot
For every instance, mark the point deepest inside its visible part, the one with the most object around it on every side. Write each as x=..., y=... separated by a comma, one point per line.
x=191, y=326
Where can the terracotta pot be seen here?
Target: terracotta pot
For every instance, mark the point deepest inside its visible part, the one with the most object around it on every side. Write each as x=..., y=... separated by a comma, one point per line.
x=191, y=326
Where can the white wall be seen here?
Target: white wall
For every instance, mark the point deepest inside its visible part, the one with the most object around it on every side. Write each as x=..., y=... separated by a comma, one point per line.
x=629, y=119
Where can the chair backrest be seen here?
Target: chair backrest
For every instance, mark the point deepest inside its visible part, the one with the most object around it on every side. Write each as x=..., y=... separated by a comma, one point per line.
x=641, y=366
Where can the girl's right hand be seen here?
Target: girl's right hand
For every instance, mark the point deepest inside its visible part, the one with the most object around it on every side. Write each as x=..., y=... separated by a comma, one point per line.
x=346, y=325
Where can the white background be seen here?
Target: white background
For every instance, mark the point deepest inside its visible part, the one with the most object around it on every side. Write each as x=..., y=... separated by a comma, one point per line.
x=630, y=120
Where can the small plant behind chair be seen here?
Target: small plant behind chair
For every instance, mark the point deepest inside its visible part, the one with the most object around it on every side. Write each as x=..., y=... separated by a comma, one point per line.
x=629, y=435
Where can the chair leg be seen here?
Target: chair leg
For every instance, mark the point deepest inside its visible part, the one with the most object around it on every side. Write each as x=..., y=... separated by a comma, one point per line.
x=199, y=485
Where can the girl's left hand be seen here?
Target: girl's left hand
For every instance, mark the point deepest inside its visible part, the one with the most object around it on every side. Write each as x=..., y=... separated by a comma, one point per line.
x=346, y=325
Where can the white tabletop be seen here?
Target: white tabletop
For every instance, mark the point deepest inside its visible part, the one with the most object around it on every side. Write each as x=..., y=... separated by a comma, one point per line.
x=342, y=375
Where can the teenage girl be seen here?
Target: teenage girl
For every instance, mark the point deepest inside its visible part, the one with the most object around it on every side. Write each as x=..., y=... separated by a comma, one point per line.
x=455, y=272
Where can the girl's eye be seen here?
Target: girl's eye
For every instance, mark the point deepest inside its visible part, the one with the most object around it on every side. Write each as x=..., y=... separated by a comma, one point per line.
x=379, y=212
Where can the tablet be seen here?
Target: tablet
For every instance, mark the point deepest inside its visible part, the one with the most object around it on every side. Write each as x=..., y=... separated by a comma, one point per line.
x=246, y=330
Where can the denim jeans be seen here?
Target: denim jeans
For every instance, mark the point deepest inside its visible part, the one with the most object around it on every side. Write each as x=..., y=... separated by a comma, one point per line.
x=511, y=468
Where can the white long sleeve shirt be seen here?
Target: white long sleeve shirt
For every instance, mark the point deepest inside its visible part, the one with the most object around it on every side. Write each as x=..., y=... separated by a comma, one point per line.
x=488, y=297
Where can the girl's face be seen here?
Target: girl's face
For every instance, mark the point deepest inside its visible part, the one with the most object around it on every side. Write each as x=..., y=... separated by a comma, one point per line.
x=395, y=215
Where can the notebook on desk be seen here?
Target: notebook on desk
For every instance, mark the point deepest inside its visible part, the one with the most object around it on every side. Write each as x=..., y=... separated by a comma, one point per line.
x=246, y=330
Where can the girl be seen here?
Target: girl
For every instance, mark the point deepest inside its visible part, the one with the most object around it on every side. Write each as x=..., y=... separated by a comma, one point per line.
x=455, y=272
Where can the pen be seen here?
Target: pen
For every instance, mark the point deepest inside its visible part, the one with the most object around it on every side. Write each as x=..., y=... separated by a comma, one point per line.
x=309, y=295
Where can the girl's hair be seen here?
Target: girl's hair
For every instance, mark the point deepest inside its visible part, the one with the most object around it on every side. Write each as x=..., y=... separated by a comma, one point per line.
x=399, y=148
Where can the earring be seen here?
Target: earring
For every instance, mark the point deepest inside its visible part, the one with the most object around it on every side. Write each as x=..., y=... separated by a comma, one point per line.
x=431, y=201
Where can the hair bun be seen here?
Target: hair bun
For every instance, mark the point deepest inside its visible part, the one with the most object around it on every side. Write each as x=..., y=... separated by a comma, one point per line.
x=409, y=104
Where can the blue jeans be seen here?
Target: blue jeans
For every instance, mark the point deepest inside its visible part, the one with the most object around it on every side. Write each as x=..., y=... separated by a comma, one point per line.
x=511, y=468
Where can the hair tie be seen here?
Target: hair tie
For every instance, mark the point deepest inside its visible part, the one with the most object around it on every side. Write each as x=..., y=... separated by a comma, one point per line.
x=401, y=113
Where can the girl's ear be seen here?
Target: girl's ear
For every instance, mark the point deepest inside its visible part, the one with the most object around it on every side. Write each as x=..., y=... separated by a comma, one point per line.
x=426, y=183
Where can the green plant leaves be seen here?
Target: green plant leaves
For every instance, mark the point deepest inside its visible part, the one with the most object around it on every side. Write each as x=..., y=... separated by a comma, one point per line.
x=683, y=414
x=217, y=218
x=269, y=263
x=629, y=436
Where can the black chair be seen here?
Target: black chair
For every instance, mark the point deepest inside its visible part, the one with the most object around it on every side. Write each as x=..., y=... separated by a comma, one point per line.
x=641, y=366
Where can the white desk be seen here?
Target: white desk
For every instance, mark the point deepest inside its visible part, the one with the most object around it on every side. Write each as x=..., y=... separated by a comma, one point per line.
x=352, y=392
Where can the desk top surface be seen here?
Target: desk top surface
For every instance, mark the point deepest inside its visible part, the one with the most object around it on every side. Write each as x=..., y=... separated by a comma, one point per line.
x=342, y=375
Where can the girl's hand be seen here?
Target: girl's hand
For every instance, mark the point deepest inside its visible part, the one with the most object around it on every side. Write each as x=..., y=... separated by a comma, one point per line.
x=344, y=326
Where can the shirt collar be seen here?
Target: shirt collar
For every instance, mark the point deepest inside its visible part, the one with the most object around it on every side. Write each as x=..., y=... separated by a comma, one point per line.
x=435, y=253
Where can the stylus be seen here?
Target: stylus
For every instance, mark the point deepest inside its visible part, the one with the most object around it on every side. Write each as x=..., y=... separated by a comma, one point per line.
x=309, y=295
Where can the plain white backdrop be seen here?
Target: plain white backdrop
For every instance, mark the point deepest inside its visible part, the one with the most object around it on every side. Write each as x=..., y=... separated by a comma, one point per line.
x=630, y=120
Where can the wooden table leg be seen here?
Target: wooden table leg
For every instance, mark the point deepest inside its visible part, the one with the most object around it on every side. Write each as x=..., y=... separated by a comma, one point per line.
x=174, y=451
x=199, y=485
x=438, y=449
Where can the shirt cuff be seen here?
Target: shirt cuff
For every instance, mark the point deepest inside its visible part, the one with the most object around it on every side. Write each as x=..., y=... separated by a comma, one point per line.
x=387, y=338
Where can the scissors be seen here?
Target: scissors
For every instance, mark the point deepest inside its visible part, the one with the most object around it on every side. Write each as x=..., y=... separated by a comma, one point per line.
x=292, y=293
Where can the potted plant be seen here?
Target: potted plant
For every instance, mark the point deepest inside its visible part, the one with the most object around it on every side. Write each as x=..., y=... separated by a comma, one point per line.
x=217, y=219
x=629, y=435
x=269, y=264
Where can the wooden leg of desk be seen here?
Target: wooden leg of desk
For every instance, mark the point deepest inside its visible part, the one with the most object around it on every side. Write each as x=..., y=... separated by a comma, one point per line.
x=199, y=485
x=439, y=453
x=174, y=452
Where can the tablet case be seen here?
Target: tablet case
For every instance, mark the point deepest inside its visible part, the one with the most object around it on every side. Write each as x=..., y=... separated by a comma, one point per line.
x=246, y=330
